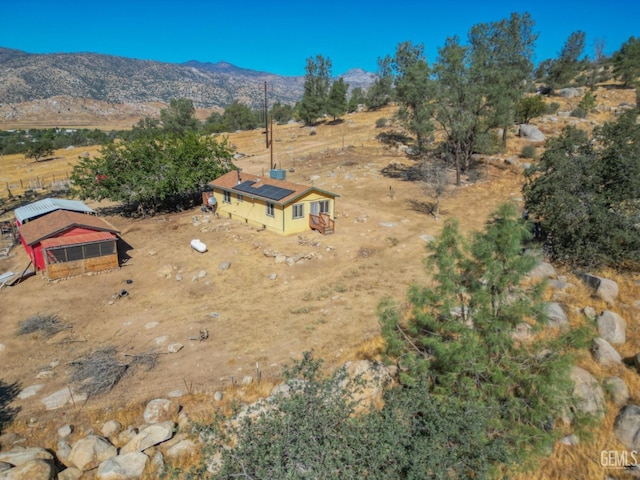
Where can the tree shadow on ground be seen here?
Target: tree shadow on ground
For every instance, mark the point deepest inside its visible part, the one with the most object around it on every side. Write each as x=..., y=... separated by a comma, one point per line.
x=410, y=173
x=428, y=208
x=8, y=392
x=337, y=121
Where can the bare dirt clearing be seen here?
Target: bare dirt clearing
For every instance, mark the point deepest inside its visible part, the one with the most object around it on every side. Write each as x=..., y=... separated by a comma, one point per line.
x=257, y=313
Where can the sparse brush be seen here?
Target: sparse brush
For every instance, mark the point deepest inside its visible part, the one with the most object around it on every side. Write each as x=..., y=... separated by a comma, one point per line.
x=45, y=324
x=100, y=371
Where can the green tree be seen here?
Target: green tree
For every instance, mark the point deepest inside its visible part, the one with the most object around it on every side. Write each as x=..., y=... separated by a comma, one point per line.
x=381, y=92
x=356, y=99
x=239, y=117
x=314, y=432
x=214, y=123
x=414, y=91
x=156, y=171
x=529, y=107
x=459, y=334
x=39, y=149
x=316, y=89
x=567, y=66
x=501, y=54
x=585, y=195
x=281, y=112
x=459, y=104
x=337, y=100
x=626, y=61
x=179, y=117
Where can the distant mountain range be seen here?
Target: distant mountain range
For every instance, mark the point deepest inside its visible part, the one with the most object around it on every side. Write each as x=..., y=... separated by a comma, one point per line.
x=28, y=77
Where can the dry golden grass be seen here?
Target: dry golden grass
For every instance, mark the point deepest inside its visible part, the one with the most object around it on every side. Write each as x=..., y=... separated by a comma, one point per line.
x=349, y=147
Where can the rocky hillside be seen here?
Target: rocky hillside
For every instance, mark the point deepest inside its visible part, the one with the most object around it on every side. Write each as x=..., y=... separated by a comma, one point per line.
x=26, y=77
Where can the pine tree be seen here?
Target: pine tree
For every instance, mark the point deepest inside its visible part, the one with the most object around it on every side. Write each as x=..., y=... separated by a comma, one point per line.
x=337, y=101
x=316, y=89
x=459, y=333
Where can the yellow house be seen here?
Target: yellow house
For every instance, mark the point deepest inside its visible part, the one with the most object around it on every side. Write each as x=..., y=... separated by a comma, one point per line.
x=273, y=204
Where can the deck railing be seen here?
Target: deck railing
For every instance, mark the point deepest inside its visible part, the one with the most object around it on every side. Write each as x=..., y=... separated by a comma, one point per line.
x=322, y=223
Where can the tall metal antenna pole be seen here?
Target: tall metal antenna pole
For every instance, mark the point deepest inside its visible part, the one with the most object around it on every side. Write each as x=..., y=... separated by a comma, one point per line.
x=266, y=116
x=271, y=142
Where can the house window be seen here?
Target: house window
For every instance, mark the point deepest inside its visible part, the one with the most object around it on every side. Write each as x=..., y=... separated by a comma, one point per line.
x=270, y=209
x=321, y=206
x=226, y=197
x=240, y=198
x=298, y=210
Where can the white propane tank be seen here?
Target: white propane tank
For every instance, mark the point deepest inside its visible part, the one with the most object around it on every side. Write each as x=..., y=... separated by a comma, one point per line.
x=198, y=246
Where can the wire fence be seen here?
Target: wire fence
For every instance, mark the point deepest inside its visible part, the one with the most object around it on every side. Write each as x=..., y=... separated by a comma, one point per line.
x=31, y=186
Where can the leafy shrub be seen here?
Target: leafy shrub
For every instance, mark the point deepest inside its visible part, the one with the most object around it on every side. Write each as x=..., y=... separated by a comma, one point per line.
x=381, y=122
x=579, y=112
x=588, y=102
x=552, y=108
x=487, y=143
x=528, y=151
x=530, y=107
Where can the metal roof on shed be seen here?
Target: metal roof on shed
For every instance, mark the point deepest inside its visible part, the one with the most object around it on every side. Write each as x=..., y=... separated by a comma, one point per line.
x=47, y=205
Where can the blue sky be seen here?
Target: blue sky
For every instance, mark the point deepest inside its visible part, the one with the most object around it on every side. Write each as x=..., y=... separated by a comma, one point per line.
x=278, y=36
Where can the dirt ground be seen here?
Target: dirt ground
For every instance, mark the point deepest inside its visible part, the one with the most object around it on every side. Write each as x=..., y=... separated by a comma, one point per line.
x=258, y=314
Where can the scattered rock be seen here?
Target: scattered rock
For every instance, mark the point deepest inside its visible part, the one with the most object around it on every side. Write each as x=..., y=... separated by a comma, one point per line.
x=88, y=452
x=604, y=353
x=175, y=347
x=604, y=288
x=557, y=316
x=521, y=332
x=224, y=266
x=160, y=410
x=217, y=396
x=182, y=449
x=587, y=392
x=617, y=389
x=61, y=398
x=32, y=470
x=590, y=313
x=149, y=436
x=65, y=431
x=19, y=455
x=111, y=428
x=531, y=132
x=30, y=391
x=71, y=473
x=570, y=440
x=151, y=325
x=123, y=467
x=612, y=327
x=627, y=426
x=542, y=270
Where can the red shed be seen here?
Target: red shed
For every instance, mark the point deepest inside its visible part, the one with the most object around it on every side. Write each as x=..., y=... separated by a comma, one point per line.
x=65, y=243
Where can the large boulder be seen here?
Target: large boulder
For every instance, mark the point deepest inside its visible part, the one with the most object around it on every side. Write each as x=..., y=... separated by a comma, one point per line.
x=587, y=393
x=612, y=327
x=556, y=315
x=627, y=426
x=160, y=410
x=90, y=451
x=531, y=132
x=123, y=467
x=604, y=353
x=36, y=469
x=149, y=436
x=604, y=288
x=19, y=455
x=617, y=390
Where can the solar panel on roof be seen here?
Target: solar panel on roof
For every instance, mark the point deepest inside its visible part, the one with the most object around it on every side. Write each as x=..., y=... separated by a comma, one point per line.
x=267, y=191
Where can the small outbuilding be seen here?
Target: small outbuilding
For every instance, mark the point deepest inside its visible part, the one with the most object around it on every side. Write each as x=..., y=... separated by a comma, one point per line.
x=64, y=243
x=272, y=203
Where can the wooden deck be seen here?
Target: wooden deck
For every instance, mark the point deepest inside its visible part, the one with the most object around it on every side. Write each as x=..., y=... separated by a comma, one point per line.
x=322, y=223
